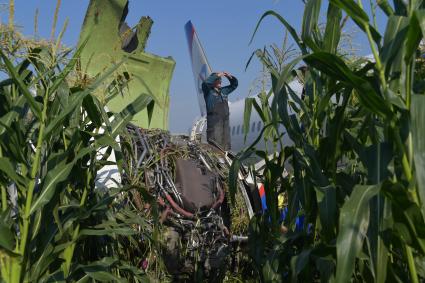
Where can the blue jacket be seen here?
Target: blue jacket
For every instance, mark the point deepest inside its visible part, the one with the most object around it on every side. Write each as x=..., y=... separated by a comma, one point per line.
x=213, y=95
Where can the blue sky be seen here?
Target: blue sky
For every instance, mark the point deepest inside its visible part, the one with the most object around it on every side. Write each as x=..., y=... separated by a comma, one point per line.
x=224, y=28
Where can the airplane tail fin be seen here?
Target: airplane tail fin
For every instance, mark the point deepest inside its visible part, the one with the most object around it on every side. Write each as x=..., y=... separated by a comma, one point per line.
x=200, y=66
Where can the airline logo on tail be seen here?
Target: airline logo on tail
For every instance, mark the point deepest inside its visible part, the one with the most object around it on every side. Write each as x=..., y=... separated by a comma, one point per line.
x=200, y=66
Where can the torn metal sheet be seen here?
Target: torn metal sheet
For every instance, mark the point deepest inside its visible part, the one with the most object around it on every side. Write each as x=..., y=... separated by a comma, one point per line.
x=109, y=41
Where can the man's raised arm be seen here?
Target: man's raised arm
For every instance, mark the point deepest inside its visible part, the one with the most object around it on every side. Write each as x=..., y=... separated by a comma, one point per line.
x=233, y=84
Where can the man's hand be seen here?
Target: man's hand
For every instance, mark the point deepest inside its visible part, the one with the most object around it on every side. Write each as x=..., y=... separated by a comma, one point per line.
x=227, y=75
x=224, y=74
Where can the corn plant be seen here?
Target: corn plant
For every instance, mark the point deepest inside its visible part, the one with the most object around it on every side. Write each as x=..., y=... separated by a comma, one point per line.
x=54, y=224
x=357, y=165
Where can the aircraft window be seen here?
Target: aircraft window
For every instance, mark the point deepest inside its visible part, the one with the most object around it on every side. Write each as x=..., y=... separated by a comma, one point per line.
x=237, y=129
x=258, y=126
x=233, y=130
x=253, y=127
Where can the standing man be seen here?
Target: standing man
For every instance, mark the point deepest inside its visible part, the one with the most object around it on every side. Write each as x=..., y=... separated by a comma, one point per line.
x=215, y=97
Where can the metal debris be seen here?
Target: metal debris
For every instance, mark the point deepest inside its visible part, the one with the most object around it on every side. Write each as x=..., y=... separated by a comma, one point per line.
x=194, y=237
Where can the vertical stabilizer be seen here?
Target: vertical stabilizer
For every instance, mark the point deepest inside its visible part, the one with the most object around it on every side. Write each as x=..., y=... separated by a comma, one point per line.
x=200, y=66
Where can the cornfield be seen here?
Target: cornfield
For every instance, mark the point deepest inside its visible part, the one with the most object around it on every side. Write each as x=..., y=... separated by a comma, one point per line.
x=357, y=165
x=355, y=173
x=54, y=138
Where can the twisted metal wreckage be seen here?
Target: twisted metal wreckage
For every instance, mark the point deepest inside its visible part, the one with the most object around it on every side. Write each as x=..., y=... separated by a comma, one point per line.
x=188, y=181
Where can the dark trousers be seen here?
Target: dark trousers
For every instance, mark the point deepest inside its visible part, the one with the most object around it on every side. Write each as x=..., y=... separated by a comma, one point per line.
x=218, y=128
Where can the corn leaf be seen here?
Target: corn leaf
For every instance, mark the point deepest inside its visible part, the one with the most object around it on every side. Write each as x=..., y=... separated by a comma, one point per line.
x=247, y=115
x=16, y=111
x=53, y=178
x=124, y=117
x=8, y=169
x=309, y=25
x=358, y=15
x=76, y=100
x=333, y=29
x=68, y=68
x=35, y=106
x=353, y=223
x=415, y=34
x=291, y=30
x=336, y=68
x=385, y=7
x=394, y=39
x=7, y=238
x=417, y=116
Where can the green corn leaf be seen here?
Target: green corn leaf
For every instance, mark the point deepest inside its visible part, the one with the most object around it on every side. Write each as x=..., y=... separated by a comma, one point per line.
x=326, y=266
x=105, y=262
x=415, y=34
x=336, y=68
x=358, y=15
x=8, y=169
x=399, y=8
x=43, y=263
x=101, y=270
x=103, y=140
x=124, y=117
x=378, y=158
x=237, y=164
x=124, y=231
x=299, y=262
x=56, y=276
x=257, y=108
x=135, y=271
x=289, y=121
x=297, y=99
x=103, y=276
x=417, y=116
x=73, y=105
x=69, y=67
x=408, y=220
x=54, y=177
x=380, y=223
x=291, y=30
x=10, y=116
x=420, y=16
x=325, y=193
x=150, y=107
x=352, y=9
x=353, y=223
x=394, y=40
x=247, y=115
x=23, y=66
x=333, y=29
x=233, y=177
x=385, y=7
x=286, y=75
x=326, y=201
x=35, y=106
x=309, y=25
x=7, y=239
x=92, y=105
x=6, y=82
x=76, y=100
